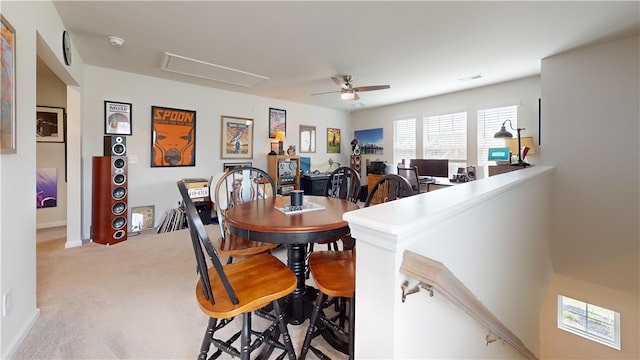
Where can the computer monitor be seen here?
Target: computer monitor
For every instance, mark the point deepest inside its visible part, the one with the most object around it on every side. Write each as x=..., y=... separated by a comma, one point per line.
x=431, y=167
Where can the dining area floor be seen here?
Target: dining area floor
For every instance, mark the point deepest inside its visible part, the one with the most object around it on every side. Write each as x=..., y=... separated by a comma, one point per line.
x=131, y=300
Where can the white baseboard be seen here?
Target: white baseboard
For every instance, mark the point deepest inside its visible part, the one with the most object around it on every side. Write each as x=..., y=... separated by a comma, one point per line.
x=51, y=224
x=72, y=244
x=26, y=328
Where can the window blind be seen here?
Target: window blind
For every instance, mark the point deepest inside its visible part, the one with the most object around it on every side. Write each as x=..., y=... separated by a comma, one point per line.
x=489, y=122
x=445, y=136
x=404, y=140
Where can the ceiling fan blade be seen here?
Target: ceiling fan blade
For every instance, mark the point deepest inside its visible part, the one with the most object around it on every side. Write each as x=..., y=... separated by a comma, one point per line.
x=328, y=92
x=371, y=88
x=339, y=82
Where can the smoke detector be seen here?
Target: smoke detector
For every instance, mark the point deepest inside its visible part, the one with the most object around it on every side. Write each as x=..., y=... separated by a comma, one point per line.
x=116, y=41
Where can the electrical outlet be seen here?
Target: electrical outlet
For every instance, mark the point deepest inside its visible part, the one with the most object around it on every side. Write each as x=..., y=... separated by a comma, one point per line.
x=6, y=303
x=133, y=159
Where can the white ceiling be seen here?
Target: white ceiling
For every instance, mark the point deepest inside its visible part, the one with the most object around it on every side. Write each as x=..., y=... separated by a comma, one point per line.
x=420, y=49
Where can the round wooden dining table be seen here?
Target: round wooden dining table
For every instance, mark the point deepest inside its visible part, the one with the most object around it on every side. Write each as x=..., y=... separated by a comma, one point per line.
x=260, y=220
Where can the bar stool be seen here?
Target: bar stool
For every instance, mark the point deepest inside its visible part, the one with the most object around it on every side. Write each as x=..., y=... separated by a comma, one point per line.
x=334, y=273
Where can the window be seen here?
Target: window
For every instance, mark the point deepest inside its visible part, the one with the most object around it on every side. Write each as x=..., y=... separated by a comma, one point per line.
x=404, y=140
x=445, y=137
x=489, y=122
x=589, y=321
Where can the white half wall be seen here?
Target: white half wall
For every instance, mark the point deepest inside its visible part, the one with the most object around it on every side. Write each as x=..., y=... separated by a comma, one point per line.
x=480, y=232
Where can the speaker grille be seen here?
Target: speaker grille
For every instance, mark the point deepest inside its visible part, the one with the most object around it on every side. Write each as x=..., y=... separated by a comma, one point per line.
x=118, y=208
x=115, y=145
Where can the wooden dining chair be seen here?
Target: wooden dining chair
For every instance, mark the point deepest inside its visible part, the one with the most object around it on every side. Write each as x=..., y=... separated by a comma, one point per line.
x=235, y=187
x=387, y=188
x=411, y=174
x=240, y=288
x=343, y=183
x=334, y=273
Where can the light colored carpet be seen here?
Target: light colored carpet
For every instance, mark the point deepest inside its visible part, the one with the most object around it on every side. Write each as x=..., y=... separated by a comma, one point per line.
x=132, y=300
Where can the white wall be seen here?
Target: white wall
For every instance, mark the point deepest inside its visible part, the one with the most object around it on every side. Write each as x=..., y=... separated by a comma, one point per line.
x=524, y=92
x=590, y=131
x=590, y=125
x=157, y=186
x=37, y=26
x=52, y=92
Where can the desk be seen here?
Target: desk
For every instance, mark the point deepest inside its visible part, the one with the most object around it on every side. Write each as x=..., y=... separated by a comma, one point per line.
x=259, y=221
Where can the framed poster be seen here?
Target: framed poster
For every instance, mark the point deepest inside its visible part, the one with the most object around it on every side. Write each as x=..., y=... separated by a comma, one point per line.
x=49, y=124
x=117, y=118
x=173, y=137
x=237, y=137
x=371, y=141
x=307, y=139
x=277, y=122
x=8, y=88
x=46, y=187
x=333, y=140
x=142, y=217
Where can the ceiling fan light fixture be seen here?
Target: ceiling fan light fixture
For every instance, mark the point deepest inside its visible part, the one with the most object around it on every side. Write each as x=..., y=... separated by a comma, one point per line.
x=348, y=95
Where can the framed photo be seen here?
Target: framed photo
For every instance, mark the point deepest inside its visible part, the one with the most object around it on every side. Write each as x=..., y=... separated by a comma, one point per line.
x=277, y=122
x=307, y=139
x=49, y=124
x=237, y=138
x=142, y=217
x=173, y=137
x=333, y=140
x=275, y=147
x=8, y=88
x=234, y=165
x=117, y=118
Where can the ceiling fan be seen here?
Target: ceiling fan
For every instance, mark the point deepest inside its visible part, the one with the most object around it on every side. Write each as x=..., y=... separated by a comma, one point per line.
x=348, y=91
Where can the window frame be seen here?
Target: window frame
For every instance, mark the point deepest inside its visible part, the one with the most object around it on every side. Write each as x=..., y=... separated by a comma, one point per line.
x=585, y=333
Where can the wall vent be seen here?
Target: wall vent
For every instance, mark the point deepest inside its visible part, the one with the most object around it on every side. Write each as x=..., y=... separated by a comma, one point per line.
x=192, y=67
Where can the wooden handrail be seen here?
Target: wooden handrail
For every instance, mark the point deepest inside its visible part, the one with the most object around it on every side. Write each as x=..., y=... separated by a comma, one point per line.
x=436, y=275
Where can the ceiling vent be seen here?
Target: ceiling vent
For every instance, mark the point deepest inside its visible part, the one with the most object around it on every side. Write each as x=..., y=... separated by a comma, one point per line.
x=186, y=66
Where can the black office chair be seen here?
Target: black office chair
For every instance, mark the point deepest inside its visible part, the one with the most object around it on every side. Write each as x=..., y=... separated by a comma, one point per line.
x=390, y=187
x=235, y=187
x=226, y=291
x=411, y=174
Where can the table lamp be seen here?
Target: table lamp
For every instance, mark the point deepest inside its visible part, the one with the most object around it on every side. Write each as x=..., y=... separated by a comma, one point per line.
x=504, y=134
x=527, y=146
x=280, y=137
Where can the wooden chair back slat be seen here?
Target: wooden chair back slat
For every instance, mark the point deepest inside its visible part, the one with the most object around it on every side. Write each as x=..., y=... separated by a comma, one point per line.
x=343, y=183
x=200, y=239
x=390, y=187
